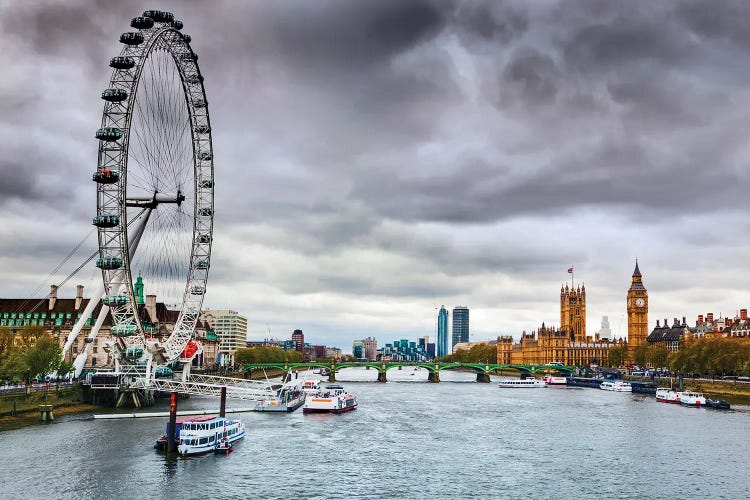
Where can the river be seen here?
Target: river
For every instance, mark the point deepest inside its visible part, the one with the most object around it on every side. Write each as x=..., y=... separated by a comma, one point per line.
x=455, y=439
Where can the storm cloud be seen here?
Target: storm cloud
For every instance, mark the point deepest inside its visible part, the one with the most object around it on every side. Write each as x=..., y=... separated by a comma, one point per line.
x=375, y=160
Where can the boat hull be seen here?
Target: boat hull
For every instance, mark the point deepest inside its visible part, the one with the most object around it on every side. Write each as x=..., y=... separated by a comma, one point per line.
x=329, y=410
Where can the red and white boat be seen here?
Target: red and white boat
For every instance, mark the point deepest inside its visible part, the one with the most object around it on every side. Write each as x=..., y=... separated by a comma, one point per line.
x=333, y=398
x=551, y=380
x=667, y=395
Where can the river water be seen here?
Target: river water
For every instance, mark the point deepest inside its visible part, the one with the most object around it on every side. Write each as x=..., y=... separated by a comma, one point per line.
x=455, y=439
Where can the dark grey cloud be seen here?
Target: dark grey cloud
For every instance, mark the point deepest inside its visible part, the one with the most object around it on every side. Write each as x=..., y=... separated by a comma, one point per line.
x=377, y=157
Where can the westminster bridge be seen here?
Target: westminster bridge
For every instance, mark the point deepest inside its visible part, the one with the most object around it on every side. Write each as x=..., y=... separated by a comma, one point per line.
x=483, y=370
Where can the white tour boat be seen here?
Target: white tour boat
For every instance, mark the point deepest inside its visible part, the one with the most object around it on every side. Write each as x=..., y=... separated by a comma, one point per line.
x=667, y=395
x=515, y=383
x=333, y=398
x=200, y=435
x=692, y=399
x=616, y=386
x=552, y=380
x=287, y=399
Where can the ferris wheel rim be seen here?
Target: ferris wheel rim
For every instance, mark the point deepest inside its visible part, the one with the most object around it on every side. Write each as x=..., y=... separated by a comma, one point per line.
x=162, y=31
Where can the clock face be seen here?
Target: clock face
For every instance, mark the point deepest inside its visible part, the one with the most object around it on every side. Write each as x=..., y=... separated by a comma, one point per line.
x=640, y=302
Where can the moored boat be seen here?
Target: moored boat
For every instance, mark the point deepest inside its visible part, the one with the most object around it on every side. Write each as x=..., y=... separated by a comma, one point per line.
x=288, y=398
x=333, y=398
x=667, y=395
x=717, y=404
x=553, y=380
x=200, y=435
x=616, y=386
x=515, y=383
x=223, y=448
x=695, y=399
x=311, y=386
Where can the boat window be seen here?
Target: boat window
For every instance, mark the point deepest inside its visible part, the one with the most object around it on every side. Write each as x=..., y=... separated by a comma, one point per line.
x=204, y=440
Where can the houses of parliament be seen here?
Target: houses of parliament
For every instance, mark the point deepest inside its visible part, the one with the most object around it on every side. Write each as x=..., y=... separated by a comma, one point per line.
x=569, y=344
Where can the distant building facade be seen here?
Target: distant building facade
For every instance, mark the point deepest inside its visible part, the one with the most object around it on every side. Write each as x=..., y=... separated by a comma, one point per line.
x=442, y=332
x=230, y=328
x=669, y=336
x=605, y=331
x=298, y=338
x=460, y=325
x=370, y=348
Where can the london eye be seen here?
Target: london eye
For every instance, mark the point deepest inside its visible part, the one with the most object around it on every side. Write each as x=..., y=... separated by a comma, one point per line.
x=155, y=189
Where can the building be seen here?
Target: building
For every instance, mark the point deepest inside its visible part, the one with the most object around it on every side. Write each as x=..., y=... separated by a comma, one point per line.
x=669, y=335
x=358, y=349
x=569, y=344
x=605, y=331
x=333, y=352
x=299, y=340
x=573, y=312
x=461, y=346
x=370, y=348
x=442, y=332
x=230, y=328
x=403, y=350
x=637, y=300
x=58, y=316
x=460, y=325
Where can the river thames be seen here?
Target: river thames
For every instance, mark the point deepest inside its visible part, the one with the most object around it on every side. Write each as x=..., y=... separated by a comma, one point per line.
x=456, y=439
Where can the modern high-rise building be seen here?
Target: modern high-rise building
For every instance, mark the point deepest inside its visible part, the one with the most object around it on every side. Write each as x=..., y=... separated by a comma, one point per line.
x=442, y=332
x=231, y=330
x=299, y=340
x=460, y=325
x=605, y=331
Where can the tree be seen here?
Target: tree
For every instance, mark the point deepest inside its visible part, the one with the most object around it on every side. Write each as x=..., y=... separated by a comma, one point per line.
x=658, y=355
x=266, y=355
x=44, y=357
x=617, y=355
x=65, y=368
x=13, y=365
x=26, y=337
x=640, y=355
x=480, y=353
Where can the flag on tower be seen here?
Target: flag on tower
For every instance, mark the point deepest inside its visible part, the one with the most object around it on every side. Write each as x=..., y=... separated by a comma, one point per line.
x=570, y=270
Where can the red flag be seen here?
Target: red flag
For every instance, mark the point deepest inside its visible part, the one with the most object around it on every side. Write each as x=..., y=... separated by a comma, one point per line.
x=570, y=270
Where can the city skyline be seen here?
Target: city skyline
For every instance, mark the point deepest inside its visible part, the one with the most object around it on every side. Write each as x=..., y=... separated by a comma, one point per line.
x=399, y=165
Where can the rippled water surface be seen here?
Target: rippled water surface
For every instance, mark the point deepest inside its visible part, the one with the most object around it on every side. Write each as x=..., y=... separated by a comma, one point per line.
x=456, y=439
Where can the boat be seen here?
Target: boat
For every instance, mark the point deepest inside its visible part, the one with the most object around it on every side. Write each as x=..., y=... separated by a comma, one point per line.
x=717, y=404
x=311, y=386
x=200, y=435
x=161, y=443
x=592, y=383
x=552, y=380
x=288, y=398
x=644, y=387
x=223, y=448
x=695, y=399
x=333, y=398
x=667, y=395
x=616, y=386
x=515, y=383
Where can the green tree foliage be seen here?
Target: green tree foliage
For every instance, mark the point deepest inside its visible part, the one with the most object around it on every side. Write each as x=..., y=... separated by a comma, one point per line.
x=640, y=355
x=617, y=355
x=481, y=353
x=712, y=355
x=13, y=366
x=266, y=355
x=14, y=346
x=44, y=357
x=65, y=368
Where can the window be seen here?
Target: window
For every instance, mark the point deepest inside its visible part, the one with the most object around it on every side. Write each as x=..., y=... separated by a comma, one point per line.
x=94, y=350
x=93, y=361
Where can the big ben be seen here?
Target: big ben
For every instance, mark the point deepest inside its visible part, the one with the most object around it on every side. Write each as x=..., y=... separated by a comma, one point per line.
x=637, y=310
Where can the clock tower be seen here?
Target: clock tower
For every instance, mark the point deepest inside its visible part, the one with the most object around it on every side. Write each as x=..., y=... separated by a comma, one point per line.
x=637, y=310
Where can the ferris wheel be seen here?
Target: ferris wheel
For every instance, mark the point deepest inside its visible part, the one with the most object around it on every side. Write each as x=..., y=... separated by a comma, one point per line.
x=155, y=186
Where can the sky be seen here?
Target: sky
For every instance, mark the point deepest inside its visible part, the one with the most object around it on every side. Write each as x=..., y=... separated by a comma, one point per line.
x=375, y=160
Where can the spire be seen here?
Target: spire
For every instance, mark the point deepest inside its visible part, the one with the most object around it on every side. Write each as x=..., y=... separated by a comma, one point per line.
x=138, y=289
x=637, y=272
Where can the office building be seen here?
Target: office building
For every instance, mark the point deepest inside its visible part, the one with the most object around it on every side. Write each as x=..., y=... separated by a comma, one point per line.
x=442, y=332
x=230, y=328
x=460, y=325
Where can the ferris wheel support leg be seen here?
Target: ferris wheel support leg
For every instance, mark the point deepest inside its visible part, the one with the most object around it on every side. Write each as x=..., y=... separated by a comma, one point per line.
x=93, y=301
x=186, y=371
x=81, y=358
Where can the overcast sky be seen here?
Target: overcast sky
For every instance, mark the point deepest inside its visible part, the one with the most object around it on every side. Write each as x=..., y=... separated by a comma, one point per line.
x=375, y=160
